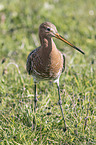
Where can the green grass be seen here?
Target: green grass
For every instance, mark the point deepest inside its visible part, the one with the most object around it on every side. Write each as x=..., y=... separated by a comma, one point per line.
x=19, y=22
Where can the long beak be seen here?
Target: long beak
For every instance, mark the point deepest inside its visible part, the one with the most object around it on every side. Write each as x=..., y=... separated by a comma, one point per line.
x=64, y=40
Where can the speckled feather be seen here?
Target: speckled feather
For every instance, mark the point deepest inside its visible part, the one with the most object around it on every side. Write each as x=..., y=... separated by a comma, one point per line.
x=46, y=61
x=49, y=69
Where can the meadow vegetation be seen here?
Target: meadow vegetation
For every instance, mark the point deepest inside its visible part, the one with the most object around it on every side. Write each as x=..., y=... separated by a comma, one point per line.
x=19, y=22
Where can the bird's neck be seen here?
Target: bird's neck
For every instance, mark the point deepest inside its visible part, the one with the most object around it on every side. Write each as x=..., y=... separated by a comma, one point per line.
x=47, y=45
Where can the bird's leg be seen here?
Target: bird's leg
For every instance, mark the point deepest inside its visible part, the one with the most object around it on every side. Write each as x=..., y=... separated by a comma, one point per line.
x=35, y=97
x=35, y=105
x=60, y=103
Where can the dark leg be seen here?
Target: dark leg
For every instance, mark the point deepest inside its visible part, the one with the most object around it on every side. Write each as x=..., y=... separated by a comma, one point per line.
x=35, y=97
x=35, y=105
x=60, y=103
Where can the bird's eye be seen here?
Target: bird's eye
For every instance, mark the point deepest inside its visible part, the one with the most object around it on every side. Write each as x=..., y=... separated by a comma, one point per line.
x=48, y=29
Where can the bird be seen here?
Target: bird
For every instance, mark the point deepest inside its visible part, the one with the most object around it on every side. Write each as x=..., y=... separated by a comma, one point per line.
x=46, y=62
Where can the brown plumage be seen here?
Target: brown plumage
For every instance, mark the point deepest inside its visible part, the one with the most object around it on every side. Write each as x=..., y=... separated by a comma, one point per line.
x=47, y=62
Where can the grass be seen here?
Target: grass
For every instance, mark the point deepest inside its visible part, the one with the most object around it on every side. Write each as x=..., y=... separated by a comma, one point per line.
x=19, y=22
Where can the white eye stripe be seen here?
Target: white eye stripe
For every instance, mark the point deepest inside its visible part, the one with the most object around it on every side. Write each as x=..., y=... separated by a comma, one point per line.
x=50, y=29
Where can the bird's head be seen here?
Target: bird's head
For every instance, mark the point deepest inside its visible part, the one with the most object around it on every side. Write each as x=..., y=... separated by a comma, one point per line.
x=48, y=29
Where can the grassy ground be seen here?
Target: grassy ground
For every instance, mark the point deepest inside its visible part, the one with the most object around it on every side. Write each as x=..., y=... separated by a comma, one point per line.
x=19, y=22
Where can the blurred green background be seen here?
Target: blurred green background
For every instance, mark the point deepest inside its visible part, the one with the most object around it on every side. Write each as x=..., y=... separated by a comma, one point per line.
x=19, y=22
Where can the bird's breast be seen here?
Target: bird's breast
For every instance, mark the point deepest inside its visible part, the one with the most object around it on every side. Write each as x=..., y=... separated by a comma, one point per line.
x=47, y=66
